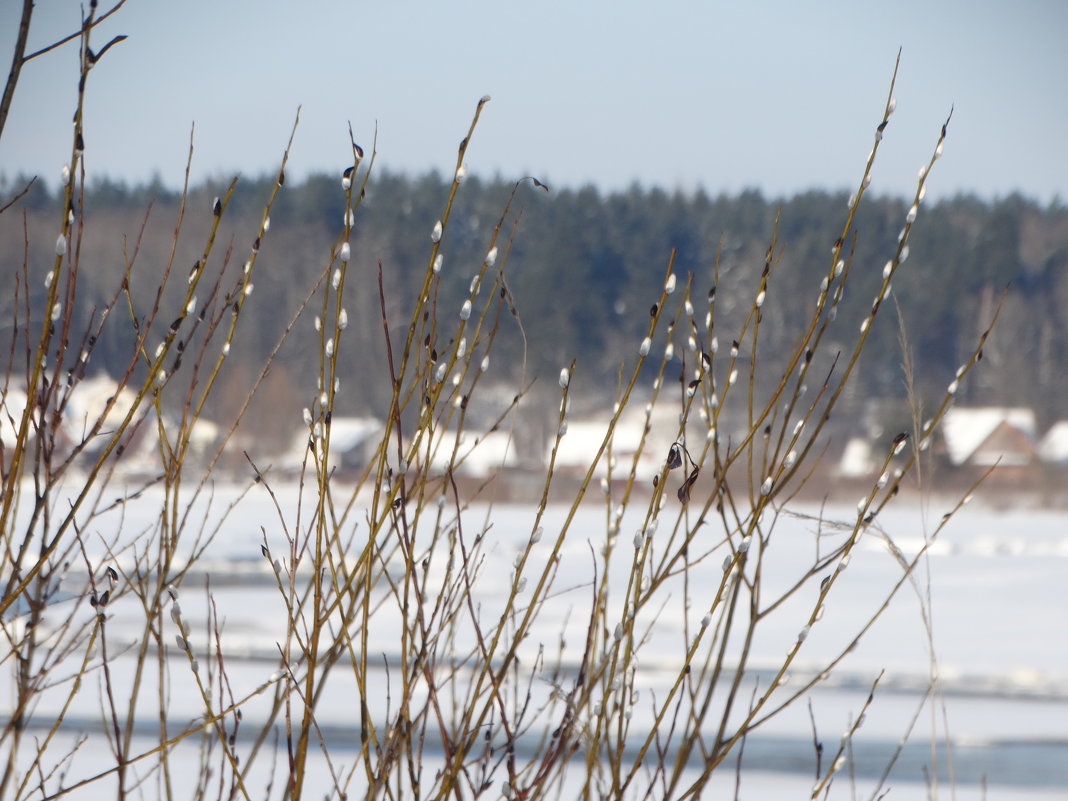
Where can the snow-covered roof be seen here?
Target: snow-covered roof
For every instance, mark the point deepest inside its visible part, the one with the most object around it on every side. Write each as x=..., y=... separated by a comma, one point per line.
x=476, y=455
x=347, y=433
x=203, y=433
x=1054, y=445
x=966, y=429
x=584, y=438
x=856, y=459
x=12, y=406
x=89, y=398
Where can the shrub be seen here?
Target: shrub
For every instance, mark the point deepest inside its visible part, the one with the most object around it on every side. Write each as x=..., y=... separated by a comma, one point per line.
x=599, y=664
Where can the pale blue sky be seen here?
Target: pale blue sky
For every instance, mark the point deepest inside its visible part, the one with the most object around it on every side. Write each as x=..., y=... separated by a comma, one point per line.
x=781, y=96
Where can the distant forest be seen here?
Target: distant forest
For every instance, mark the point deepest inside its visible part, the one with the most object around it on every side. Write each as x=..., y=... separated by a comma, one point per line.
x=583, y=268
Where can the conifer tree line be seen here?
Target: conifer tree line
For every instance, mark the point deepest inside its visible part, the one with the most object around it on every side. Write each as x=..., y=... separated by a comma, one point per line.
x=581, y=265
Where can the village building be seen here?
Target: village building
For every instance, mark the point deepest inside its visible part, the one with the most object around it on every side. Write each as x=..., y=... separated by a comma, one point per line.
x=1053, y=447
x=353, y=442
x=982, y=437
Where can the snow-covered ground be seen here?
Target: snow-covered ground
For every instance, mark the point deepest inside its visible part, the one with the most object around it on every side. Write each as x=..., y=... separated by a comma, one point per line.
x=997, y=584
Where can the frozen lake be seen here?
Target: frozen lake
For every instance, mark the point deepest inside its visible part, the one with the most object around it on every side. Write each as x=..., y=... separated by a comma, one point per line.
x=995, y=584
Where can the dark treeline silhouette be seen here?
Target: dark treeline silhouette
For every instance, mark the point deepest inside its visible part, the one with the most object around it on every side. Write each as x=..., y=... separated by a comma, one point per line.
x=583, y=267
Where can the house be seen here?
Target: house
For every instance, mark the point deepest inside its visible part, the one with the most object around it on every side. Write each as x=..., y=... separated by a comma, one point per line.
x=88, y=401
x=470, y=454
x=353, y=441
x=857, y=460
x=1053, y=447
x=584, y=438
x=985, y=436
x=12, y=406
x=203, y=437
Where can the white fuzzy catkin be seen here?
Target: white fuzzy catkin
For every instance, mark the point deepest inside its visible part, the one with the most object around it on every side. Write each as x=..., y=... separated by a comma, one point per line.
x=435, y=235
